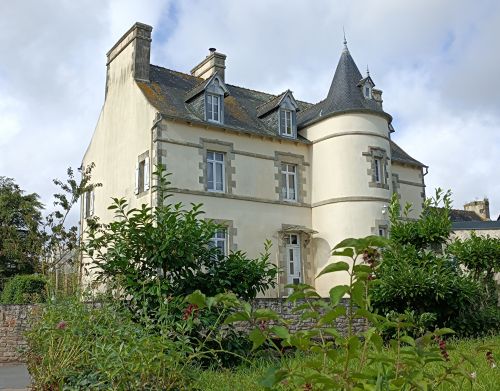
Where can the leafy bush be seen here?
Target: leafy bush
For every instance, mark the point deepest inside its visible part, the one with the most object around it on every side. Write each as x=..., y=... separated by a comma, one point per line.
x=170, y=248
x=25, y=289
x=352, y=361
x=79, y=346
x=480, y=255
x=421, y=274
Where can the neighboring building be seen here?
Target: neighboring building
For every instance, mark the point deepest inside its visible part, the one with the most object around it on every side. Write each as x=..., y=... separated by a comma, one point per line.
x=475, y=217
x=267, y=166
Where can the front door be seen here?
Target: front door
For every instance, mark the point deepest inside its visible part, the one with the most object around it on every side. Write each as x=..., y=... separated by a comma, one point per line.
x=292, y=254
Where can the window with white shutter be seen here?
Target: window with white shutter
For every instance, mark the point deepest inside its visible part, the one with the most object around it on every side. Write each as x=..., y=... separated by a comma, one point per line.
x=142, y=175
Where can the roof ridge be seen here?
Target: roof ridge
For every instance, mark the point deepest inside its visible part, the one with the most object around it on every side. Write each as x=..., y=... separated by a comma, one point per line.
x=234, y=85
x=274, y=97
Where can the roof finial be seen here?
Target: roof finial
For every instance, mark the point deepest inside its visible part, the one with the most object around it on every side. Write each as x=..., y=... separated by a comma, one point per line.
x=345, y=40
x=367, y=70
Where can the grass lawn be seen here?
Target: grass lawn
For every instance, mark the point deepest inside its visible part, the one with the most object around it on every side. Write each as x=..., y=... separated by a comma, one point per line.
x=246, y=377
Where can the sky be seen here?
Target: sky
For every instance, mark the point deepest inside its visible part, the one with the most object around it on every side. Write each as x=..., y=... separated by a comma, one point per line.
x=436, y=61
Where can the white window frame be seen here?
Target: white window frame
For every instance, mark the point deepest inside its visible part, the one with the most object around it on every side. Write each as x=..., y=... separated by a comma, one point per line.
x=288, y=122
x=293, y=258
x=289, y=170
x=219, y=240
x=213, y=107
x=212, y=163
x=88, y=204
x=142, y=175
x=367, y=91
x=379, y=170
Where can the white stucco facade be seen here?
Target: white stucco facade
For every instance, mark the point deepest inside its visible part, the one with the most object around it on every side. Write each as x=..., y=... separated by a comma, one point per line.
x=337, y=194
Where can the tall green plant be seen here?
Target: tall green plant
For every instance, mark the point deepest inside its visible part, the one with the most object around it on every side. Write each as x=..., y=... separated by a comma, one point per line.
x=419, y=273
x=169, y=247
x=352, y=360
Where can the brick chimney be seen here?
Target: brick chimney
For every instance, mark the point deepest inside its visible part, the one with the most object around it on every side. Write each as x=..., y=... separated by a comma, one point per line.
x=214, y=62
x=131, y=54
x=481, y=208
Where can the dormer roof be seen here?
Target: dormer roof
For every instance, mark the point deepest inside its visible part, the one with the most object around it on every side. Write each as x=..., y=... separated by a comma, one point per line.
x=199, y=88
x=275, y=102
x=365, y=80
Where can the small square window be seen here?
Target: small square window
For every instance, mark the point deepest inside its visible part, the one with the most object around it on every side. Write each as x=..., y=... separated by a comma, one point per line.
x=215, y=171
x=382, y=231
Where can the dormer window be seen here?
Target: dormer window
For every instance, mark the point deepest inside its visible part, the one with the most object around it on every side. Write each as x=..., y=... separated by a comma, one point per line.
x=367, y=91
x=207, y=99
x=280, y=114
x=366, y=86
x=286, y=123
x=213, y=107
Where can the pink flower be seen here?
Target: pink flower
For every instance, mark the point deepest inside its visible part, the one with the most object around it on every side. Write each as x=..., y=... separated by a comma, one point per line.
x=61, y=325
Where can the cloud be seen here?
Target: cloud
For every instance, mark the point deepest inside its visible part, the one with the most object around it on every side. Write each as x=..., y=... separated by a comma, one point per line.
x=435, y=62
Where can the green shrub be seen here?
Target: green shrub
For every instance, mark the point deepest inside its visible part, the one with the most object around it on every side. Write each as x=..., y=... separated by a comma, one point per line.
x=420, y=273
x=25, y=289
x=350, y=360
x=79, y=346
x=167, y=251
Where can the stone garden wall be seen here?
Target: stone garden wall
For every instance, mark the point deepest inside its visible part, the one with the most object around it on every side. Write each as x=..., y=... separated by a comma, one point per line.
x=14, y=321
x=281, y=306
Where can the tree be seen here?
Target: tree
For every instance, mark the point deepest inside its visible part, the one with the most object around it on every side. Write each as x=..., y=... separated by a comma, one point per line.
x=20, y=239
x=150, y=254
x=419, y=274
x=60, y=240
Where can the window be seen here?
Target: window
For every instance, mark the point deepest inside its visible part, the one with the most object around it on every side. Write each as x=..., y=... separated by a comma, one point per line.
x=378, y=174
x=142, y=174
x=382, y=231
x=286, y=123
x=213, y=108
x=368, y=92
x=215, y=171
x=88, y=204
x=292, y=256
x=289, y=182
x=219, y=241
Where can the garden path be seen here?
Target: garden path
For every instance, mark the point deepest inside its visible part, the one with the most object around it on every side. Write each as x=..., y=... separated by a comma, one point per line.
x=14, y=377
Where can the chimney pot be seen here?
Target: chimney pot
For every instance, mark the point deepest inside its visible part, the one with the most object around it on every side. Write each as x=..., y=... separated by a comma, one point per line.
x=211, y=64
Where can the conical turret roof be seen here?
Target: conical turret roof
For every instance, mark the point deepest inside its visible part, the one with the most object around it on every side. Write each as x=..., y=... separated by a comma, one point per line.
x=345, y=93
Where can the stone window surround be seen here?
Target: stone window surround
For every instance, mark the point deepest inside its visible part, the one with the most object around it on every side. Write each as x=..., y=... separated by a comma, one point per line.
x=380, y=224
x=140, y=158
x=229, y=172
x=377, y=153
x=297, y=160
x=231, y=232
x=306, y=263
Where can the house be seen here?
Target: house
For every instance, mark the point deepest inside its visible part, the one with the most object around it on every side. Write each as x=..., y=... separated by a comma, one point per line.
x=265, y=166
x=474, y=217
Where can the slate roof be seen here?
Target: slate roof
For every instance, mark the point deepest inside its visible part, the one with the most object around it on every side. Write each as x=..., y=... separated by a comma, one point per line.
x=271, y=104
x=167, y=90
x=475, y=225
x=398, y=155
x=458, y=215
x=344, y=94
